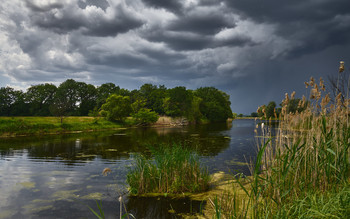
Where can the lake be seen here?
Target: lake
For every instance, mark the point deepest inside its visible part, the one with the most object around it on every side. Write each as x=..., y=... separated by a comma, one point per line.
x=59, y=176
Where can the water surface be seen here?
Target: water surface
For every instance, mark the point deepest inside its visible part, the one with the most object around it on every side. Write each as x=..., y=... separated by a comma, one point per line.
x=59, y=176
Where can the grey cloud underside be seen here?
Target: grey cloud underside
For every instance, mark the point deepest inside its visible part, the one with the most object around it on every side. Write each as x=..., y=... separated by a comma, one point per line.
x=170, y=5
x=203, y=23
x=94, y=26
x=34, y=7
x=193, y=42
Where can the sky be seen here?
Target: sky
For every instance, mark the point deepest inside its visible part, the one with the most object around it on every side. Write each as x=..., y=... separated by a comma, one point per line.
x=254, y=50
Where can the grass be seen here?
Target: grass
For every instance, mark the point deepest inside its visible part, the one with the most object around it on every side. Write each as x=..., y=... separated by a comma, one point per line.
x=303, y=171
x=174, y=169
x=12, y=126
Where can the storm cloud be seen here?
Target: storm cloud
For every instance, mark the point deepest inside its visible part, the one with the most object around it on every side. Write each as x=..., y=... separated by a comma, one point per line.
x=253, y=50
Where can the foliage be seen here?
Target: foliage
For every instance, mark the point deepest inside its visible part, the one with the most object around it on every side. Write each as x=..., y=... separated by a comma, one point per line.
x=215, y=104
x=270, y=110
x=40, y=98
x=254, y=114
x=145, y=117
x=175, y=169
x=12, y=102
x=116, y=108
x=72, y=98
x=178, y=102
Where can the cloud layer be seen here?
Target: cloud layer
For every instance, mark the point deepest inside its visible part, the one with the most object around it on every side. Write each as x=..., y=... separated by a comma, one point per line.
x=253, y=50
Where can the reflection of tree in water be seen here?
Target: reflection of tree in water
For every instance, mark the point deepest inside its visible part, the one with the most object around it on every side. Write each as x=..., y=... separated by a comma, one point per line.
x=118, y=144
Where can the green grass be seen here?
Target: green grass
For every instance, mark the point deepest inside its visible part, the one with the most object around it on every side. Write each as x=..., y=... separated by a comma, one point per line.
x=12, y=126
x=174, y=169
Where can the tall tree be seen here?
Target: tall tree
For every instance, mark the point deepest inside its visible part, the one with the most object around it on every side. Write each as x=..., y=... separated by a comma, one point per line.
x=215, y=104
x=104, y=91
x=87, y=95
x=12, y=102
x=39, y=98
x=154, y=97
x=116, y=108
x=178, y=102
x=270, y=110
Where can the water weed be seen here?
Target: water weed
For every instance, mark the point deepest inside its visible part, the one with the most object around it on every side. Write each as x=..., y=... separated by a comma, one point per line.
x=173, y=169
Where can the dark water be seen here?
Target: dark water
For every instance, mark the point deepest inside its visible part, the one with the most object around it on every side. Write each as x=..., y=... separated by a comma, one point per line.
x=60, y=176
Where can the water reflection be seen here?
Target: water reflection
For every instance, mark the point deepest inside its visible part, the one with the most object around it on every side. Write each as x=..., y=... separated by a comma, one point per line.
x=57, y=176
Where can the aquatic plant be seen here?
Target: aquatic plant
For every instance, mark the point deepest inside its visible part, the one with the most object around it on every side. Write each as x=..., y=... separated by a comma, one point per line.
x=173, y=169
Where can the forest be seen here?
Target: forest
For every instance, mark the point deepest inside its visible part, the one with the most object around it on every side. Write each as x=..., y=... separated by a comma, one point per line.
x=73, y=98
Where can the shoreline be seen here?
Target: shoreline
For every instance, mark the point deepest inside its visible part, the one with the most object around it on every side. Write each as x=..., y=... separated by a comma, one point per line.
x=11, y=127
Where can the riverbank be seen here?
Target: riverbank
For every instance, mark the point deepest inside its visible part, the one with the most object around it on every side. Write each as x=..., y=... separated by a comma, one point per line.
x=24, y=126
x=28, y=125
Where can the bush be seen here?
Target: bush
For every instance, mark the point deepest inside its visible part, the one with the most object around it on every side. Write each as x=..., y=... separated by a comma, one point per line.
x=145, y=117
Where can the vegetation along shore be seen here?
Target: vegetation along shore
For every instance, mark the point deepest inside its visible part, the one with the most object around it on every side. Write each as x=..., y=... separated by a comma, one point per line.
x=77, y=106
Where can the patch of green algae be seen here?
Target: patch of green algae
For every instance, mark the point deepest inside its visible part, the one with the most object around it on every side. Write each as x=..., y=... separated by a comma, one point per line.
x=93, y=196
x=67, y=195
x=7, y=213
x=27, y=185
x=32, y=208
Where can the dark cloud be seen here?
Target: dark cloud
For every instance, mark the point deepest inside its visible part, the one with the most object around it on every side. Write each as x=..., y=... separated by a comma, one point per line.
x=180, y=40
x=170, y=5
x=293, y=11
x=92, y=22
x=42, y=8
x=201, y=23
x=187, y=41
x=310, y=26
x=254, y=50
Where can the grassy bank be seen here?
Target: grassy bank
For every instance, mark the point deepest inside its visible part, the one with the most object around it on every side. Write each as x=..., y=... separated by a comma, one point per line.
x=15, y=126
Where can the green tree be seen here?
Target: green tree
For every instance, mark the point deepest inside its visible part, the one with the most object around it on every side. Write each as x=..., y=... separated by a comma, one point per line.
x=104, y=91
x=270, y=110
x=178, y=102
x=87, y=95
x=12, y=102
x=154, y=97
x=39, y=98
x=66, y=99
x=215, y=104
x=294, y=105
x=116, y=108
x=254, y=114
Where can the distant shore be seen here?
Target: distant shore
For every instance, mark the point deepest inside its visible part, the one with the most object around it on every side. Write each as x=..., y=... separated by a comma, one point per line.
x=27, y=126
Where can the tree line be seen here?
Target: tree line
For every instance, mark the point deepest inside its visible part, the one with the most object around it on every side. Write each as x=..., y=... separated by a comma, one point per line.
x=73, y=98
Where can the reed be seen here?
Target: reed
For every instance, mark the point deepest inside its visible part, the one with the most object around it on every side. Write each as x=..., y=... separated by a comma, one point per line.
x=173, y=169
x=302, y=171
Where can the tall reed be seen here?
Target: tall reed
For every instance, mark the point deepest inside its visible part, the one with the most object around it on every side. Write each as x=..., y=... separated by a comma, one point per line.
x=306, y=163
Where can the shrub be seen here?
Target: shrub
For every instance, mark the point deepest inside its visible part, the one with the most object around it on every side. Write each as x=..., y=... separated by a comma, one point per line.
x=145, y=117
